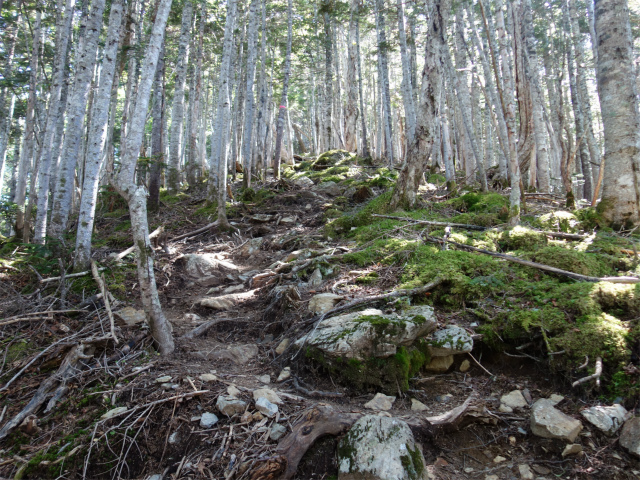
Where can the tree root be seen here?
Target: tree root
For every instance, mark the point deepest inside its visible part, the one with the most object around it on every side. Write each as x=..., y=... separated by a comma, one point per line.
x=596, y=375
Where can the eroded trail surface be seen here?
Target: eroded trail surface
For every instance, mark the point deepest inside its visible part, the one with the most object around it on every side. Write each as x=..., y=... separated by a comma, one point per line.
x=232, y=401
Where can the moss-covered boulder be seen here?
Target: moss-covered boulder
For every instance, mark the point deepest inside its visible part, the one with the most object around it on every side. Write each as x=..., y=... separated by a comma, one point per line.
x=522, y=238
x=380, y=448
x=332, y=158
x=559, y=221
x=370, y=349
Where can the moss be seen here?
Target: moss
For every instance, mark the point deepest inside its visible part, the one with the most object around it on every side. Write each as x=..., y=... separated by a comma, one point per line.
x=481, y=203
x=559, y=221
x=481, y=219
x=332, y=158
x=170, y=198
x=522, y=238
x=368, y=279
x=361, y=216
x=210, y=208
x=573, y=261
x=413, y=464
x=437, y=179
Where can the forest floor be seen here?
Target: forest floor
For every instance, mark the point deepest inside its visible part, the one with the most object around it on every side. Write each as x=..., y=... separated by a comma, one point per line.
x=305, y=232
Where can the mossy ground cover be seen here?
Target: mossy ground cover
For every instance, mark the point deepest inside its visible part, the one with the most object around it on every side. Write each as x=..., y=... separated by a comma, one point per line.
x=515, y=304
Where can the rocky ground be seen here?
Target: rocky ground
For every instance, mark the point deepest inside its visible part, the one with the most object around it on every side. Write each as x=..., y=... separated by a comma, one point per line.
x=296, y=359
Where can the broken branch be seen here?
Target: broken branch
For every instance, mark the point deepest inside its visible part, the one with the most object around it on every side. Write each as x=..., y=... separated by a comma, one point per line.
x=595, y=376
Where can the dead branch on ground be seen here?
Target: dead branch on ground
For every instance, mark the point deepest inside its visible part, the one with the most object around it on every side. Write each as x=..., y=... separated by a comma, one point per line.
x=596, y=375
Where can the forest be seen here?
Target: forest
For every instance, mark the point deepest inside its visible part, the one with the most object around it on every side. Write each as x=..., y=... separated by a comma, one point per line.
x=362, y=239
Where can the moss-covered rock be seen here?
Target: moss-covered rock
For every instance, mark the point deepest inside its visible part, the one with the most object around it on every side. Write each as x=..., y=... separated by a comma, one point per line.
x=573, y=261
x=332, y=158
x=559, y=221
x=522, y=238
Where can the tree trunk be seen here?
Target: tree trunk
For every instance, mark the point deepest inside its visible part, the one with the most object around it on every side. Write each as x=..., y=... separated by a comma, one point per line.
x=620, y=118
x=157, y=143
x=365, y=141
x=194, y=167
x=404, y=193
x=6, y=111
x=177, y=109
x=285, y=88
x=136, y=195
x=252, y=41
x=383, y=65
x=328, y=94
x=406, y=87
x=351, y=112
x=97, y=139
x=77, y=107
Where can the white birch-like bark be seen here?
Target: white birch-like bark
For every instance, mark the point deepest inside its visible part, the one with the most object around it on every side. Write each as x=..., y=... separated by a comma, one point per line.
x=97, y=139
x=177, y=109
x=136, y=195
x=284, y=102
x=365, y=140
x=328, y=90
x=77, y=106
x=252, y=41
x=6, y=111
x=262, y=97
x=351, y=110
x=383, y=63
x=620, y=117
x=406, y=87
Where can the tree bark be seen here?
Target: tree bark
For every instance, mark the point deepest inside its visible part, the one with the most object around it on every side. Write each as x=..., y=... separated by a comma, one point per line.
x=383, y=65
x=252, y=40
x=351, y=111
x=620, y=118
x=157, y=143
x=406, y=87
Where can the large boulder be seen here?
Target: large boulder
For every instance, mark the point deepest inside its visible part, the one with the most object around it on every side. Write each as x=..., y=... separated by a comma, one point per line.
x=630, y=436
x=369, y=348
x=330, y=188
x=451, y=340
x=380, y=448
x=200, y=265
x=332, y=158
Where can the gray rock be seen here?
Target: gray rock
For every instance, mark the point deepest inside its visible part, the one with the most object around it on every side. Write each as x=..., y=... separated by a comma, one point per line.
x=439, y=364
x=233, y=391
x=572, y=449
x=173, y=438
x=208, y=377
x=323, y=302
x=380, y=402
x=525, y=472
x=157, y=476
x=329, y=188
x=315, y=279
x=607, y=419
x=277, y=431
x=230, y=406
x=227, y=302
x=265, y=407
x=380, y=448
x=251, y=247
x=163, y=379
x=282, y=346
x=369, y=333
x=200, y=265
x=113, y=413
x=418, y=406
x=451, y=340
x=208, y=420
x=265, y=378
x=549, y=422
x=285, y=374
x=303, y=182
x=630, y=436
x=514, y=399
x=268, y=394
x=130, y=316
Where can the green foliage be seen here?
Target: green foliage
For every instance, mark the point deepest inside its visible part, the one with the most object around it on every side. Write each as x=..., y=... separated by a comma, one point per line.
x=573, y=261
x=481, y=203
x=361, y=216
x=332, y=158
x=521, y=238
x=169, y=198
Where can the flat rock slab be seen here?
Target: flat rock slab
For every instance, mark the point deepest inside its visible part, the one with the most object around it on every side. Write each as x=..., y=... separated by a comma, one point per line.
x=130, y=316
x=549, y=422
x=514, y=399
x=265, y=407
x=451, y=340
x=227, y=302
x=380, y=448
x=607, y=419
x=630, y=436
x=380, y=402
x=239, y=354
x=268, y=394
x=323, y=302
x=230, y=406
x=200, y=265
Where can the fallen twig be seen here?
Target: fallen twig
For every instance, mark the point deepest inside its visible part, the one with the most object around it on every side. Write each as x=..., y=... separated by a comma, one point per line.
x=103, y=289
x=435, y=224
x=129, y=250
x=595, y=376
x=71, y=275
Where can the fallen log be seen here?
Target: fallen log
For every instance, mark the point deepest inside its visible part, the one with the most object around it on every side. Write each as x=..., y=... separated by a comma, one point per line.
x=539, y=266
x=129, y=250
x=433, y=223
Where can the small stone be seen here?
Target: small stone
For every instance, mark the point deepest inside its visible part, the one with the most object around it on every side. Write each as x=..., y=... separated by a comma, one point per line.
x=230, y=406
x=196, y=418
x=446, y=398
x=169, y=386
x=277, y=432
x=630, y=436
x=606, y=419
x=265, y=407
x=303, y=182
x=525, y=472
x=130, y=316
x=246, y=417
x=285, y=374
x=491, y=477
x=257, y=416
x=380, y=402
x=556, y=399
x=208, y=377
x=499, y=459
x=504, y=409
x=439, y=364
x=315, y=279
x=548, y=422
x=113, y=413
x=451, y=340
x=192, y=317
x=233, y=391
x=540, y=470
x=418, y=406
x=268, y=394
x=468, y=469
x=173, y=438
x=513, y=399
x=572, y=449
x=512, y=441
x=465, y=366
x=163, y=379
x=208, y=420
x=265, y=378
x=156, y=476
x=323, y=302
x=282, y=346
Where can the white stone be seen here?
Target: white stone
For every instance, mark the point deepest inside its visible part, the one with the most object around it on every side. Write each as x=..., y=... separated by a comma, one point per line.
x=265, y=378
x=208, y=377
x=173, y=438
x=499, y=459
x=315, y=279
x=282, y=346
x=114, y=413
x=630, y=436
x=525, y=472
x=265, y=407
x=380, y=402
x=277, y=431
x=130, y=316
x=514, y=399
x=251, y=247
x=163, y=379
x=572, y=449
x=329, y=188
x=207, y=264
x=285, y=374
x=268, y=394
x=380, y=448
x=208, y=420
x=323, y=302
x=555, y=398
x=233, y=391
x=549, y=422
x=229, y=301
x=607, y=419
x=451, y=340
x=303, y=182
x=230, y=406
x=418, y=406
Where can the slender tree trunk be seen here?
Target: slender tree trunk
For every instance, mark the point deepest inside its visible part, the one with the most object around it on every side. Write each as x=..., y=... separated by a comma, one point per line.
x=136, y=195
x=252, y=41
x=383, y=63
x=285, y=88
x=328, y=93
x=620, y=117
x=406, y=87
x=77, y=107
x=351, y=112
x=157, y=143
x=97, y=139
x=404, y=193
x=177, y=109
x=6, y=111
x=365, y=141
x=262, y=96
x=194, y=166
